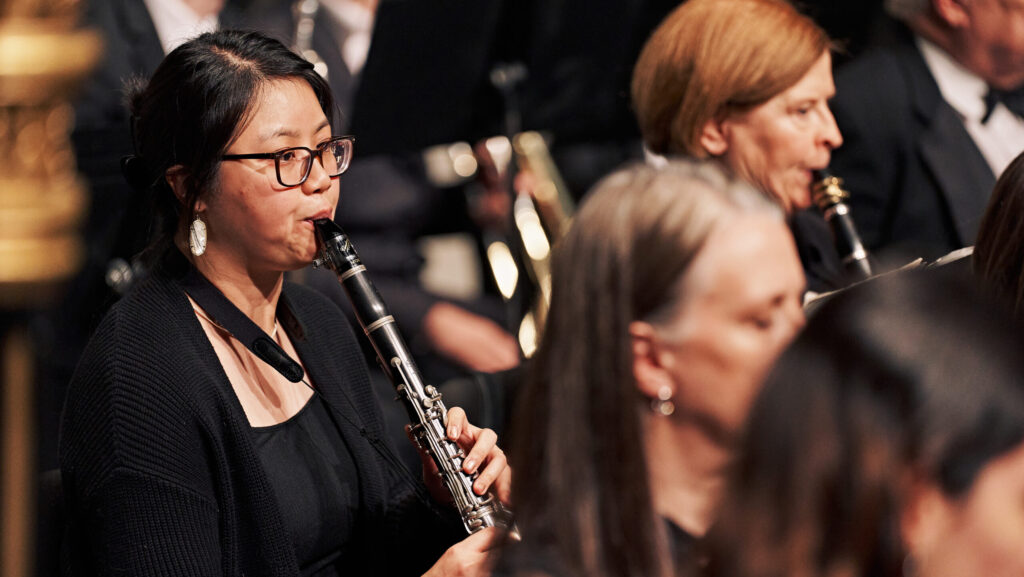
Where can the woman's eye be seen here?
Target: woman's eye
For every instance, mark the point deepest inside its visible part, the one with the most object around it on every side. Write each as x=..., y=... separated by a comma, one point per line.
x=287, y=156
x=762, y=323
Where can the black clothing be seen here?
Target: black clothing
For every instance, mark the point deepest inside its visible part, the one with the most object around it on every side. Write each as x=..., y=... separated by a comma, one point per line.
x=317, y=484
x=817, y=249
x=160, y=472
x=683, y=548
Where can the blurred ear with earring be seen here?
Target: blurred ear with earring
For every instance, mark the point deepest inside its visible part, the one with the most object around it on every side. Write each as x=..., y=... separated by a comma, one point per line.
x=652, y=380
x=663, y=405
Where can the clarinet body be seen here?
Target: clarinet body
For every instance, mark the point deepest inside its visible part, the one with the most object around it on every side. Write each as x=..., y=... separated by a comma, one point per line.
x=830, y=197
x=423, y=402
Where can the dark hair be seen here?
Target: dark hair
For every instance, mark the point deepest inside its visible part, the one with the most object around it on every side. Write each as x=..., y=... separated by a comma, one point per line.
x=999, y=250
x=581, y=475
x=197, y=102
x=916, y=375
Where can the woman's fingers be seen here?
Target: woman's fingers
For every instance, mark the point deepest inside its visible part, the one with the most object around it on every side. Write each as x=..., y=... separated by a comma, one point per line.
x=496, y=464
x=456, y=423
x=483, y=455
x=484, y=449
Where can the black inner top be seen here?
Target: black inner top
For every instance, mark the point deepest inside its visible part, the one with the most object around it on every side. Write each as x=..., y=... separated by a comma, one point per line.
x=316, y=485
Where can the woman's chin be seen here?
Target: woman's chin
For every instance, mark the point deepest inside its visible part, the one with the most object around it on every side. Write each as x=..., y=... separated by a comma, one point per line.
x=304, y=257
x=798, y=200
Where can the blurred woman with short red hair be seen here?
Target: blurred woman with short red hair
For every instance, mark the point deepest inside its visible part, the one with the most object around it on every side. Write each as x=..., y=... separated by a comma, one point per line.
x=747, y=82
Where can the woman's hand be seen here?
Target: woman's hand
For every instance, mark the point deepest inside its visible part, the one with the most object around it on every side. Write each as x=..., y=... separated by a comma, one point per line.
x=482, y=454
x=472, y=341
x=470, y=557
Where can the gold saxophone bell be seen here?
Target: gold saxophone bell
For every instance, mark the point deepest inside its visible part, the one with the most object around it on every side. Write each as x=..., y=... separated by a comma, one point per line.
x=541, y=215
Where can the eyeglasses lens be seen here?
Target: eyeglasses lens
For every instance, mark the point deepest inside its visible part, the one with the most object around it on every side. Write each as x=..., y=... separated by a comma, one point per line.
x=293, y=165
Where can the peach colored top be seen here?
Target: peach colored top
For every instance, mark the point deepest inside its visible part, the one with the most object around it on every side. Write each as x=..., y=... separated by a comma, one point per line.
x=266, y=396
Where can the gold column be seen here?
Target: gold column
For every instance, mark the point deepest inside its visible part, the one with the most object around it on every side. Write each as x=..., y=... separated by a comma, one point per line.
x=43, y=57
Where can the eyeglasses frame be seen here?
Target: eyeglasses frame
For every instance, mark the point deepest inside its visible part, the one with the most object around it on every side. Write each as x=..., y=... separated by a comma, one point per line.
x=313, y=155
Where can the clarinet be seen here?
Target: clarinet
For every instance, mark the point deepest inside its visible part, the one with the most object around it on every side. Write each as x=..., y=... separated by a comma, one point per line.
x=831, y=199
x=422, y=401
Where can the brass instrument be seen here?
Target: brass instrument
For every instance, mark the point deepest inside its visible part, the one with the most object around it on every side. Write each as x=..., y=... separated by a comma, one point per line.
x=550, y=192
x=519, y=255
x=830, y=197
x=520, y=262
x=541, y=215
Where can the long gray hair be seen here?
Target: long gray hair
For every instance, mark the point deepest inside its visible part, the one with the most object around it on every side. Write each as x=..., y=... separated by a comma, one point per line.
x=581, y=483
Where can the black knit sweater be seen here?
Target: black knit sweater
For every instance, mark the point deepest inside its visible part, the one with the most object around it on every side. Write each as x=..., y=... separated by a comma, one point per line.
x=159, y=470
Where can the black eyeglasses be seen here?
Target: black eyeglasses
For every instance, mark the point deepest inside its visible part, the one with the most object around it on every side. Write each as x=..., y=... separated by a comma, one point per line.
x=294, y=164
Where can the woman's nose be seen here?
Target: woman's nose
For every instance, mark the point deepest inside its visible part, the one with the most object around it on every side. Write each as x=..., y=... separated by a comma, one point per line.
x=318, y=180
x=830, y=134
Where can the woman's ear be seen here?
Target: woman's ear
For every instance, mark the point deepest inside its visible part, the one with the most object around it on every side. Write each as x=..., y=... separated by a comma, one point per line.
x=714, y=137
x=648, y=370
x=175, y=177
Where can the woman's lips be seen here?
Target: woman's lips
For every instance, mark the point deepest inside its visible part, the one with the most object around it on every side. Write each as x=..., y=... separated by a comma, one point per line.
x=317, y=216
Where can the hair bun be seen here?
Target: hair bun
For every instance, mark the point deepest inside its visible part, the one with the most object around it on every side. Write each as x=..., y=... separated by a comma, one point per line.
x=134, y=170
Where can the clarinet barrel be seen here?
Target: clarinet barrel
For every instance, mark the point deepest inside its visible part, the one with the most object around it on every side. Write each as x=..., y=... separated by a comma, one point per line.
x=830, y=197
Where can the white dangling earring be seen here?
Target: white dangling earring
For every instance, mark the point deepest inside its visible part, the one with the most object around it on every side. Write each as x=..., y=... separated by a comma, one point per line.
x=663, y=405
x=197, y=236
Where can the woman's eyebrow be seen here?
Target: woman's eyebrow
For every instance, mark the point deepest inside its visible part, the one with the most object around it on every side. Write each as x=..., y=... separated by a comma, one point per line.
x=289, y=132
x=282, y=131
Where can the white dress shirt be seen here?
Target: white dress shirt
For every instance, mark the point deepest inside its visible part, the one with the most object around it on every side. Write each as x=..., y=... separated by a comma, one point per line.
x=1000, y=139
x=357, y=21
x=176, y=22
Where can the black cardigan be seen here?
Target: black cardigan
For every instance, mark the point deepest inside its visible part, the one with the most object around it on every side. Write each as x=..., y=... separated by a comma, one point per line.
x=159, y=470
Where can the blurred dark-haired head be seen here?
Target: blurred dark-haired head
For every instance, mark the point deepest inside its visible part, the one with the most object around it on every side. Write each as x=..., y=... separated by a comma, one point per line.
x=999, y=250
x=905, y=386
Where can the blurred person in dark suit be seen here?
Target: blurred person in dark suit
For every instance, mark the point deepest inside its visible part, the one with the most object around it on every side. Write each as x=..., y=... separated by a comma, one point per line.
x=136, y=35
x=930, y=122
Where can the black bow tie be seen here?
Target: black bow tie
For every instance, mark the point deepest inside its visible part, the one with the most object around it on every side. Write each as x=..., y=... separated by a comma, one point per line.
x=1011, y=99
